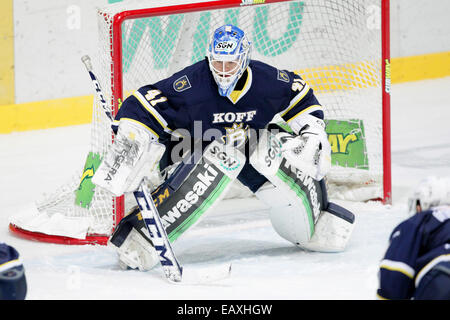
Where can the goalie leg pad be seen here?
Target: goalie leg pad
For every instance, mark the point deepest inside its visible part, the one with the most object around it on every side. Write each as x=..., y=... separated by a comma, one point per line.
x=333, y=230
x=290, y=219
x=134, y=247
x=293, y=221
x=300, y=211
x=195, y=189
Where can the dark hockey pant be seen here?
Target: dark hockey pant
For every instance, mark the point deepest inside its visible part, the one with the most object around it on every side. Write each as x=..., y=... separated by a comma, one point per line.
x=435, y=285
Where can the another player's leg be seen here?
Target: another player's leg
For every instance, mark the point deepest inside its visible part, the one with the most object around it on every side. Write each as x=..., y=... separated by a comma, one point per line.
x=435, y=285
x=299, y=207
x=13, y=283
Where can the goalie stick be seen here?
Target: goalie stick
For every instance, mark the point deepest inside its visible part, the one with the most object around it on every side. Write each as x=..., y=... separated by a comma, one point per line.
x=173, y=271
x=172, y=268
x=87, y=63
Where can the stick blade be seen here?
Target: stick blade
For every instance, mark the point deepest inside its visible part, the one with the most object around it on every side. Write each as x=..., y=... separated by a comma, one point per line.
x=206, y=275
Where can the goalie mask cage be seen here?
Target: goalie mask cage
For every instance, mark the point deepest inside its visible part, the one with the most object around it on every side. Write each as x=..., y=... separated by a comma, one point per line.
x=340, y=47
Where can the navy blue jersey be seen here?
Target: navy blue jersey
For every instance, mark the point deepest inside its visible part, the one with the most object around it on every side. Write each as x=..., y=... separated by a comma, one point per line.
x=416, y=246
x=188, y=104
x=13, y=284
x=191, y=95
x=9, y=257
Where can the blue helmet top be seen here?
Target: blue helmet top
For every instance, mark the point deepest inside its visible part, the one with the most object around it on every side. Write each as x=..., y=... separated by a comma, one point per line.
x=229, y=56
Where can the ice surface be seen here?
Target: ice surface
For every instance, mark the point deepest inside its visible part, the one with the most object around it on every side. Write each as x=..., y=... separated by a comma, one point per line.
x=264, y=265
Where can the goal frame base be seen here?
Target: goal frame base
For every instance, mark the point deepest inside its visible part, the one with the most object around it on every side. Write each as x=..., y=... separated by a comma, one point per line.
x=42, y=237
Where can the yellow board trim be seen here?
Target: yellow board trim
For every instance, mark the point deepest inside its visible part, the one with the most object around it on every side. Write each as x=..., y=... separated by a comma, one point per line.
x=46, y=114
x=350, y=76
x=6, y=52
x=422, y=67
x=341, y=77
x=78, y=110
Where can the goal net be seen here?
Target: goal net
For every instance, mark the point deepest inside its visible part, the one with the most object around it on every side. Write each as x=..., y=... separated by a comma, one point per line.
x=340, y=47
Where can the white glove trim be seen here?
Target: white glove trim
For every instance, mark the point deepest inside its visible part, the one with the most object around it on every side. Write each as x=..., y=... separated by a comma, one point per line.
x=304, y=117
x=153, y=135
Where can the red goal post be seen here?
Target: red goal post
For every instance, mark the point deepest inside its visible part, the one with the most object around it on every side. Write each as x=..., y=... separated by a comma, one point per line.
x=341, y=48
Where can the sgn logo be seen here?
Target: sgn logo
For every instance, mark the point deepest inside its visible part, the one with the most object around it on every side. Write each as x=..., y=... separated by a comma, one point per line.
x=227, y=46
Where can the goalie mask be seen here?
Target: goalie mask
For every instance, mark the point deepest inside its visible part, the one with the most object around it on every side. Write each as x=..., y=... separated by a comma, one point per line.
x=229, y=56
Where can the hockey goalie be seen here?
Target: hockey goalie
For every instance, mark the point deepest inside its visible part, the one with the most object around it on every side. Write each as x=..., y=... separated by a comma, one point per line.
x=222, y=109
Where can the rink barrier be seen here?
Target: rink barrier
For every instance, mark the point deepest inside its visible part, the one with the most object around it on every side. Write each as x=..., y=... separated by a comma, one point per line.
x=6, y=52
x=46, y=114
x=78, y=110
x=421, y=67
